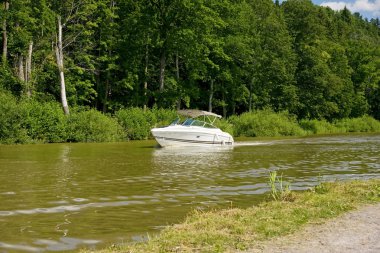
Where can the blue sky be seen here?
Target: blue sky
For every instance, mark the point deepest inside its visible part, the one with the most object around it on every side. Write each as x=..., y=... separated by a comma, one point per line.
x=367, y=8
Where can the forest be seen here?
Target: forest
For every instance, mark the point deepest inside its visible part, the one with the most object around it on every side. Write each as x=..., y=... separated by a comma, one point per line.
x=225, y=56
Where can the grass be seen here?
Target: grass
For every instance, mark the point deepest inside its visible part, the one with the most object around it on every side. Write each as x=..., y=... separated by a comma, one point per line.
x=239, y=229
x=279, y=190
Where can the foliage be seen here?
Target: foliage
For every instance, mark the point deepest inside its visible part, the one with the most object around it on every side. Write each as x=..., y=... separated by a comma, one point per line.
x=320, y=127
x=137, y=122
x=225, y=126
x=44, y=122
x=163, y=116
x=11, y=119
x=362, y=124
x=229, y=56
x=265, y=123
x=93, y=126
x=28, y=120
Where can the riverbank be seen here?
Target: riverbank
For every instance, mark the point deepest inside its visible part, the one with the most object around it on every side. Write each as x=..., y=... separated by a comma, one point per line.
x=29, y=121
x=236, y=229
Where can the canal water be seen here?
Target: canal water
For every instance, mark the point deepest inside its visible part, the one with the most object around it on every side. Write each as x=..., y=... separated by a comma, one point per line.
x=58, y=197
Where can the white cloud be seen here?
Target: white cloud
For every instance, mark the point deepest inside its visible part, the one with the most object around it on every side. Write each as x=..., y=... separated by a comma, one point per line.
x=372, y=7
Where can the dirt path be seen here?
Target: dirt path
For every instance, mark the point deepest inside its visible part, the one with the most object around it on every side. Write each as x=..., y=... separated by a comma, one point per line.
x=356, y=231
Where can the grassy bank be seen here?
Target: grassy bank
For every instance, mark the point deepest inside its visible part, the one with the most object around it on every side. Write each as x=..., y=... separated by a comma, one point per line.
x=266, y=123
x=239, y=229
x=30, y=121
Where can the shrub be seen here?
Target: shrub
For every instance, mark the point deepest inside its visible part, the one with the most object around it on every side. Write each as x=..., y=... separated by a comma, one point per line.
x=44, y=122
x=93, y=126
x=163, y=116
x=11, y=119
x=320, y=127
x=362, y=124
x=137, y=122
x=266, y=123
x=225, y=126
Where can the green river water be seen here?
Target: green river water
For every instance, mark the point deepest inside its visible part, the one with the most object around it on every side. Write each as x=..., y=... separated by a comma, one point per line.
x=58, y=197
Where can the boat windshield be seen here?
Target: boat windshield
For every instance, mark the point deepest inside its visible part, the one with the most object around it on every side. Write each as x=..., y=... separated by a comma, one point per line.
x=187, y=122
x=194, y=122
x=175, y=122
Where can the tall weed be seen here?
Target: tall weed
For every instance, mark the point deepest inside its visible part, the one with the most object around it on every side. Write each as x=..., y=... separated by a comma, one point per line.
x=279, y=190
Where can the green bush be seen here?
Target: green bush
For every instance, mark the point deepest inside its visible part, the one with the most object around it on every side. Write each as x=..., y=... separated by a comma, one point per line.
x=11, y=119
x=225, y=126
x=137, y=122
x=44, y=122
x=93, y=126
x=163, y=116
x=362, y=124
x=266, y=123
x=320, y=127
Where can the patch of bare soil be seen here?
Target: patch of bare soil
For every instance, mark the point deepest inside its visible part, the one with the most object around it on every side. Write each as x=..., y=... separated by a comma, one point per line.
x=356, y=231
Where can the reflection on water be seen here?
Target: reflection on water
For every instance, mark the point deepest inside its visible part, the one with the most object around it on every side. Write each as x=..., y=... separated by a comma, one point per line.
x=68, y=196
x=186, y=159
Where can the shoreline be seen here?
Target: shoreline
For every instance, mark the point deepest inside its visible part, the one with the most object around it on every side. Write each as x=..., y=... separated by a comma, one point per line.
x=237, y=139
x=241, y=230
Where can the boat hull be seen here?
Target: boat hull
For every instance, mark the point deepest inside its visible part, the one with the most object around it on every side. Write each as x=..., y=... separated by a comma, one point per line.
x=191, y=136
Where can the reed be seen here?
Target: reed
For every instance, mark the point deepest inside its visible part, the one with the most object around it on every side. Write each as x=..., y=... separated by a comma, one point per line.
x=279, y=190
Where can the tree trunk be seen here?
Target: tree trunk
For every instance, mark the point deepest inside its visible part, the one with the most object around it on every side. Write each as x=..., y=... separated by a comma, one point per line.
x=59, y=56
x=162, y=69
x=108, y=83
x=20, y=68
x=107, y=90
x=211, y=95
x=5, y=36
x=146, y=75
x=28, y=70
x=177, y=77
x=224, y=105
x=250, y=96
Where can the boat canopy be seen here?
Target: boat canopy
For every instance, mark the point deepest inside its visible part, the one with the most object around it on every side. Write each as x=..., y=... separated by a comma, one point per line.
x=197, y=113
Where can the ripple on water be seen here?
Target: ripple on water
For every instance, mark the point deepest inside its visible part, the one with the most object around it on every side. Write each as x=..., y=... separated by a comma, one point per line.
x=120, y=191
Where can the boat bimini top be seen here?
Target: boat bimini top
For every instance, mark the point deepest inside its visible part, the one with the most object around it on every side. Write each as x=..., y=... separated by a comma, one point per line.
x=208, y=118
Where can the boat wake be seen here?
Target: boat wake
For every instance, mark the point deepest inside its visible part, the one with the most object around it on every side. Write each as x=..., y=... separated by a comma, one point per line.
x=253, y=143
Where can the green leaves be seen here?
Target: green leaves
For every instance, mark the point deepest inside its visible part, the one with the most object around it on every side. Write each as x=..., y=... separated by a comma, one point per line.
x=294, y=56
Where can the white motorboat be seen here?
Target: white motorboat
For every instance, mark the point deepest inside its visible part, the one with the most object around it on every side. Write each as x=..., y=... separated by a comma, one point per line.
x=197, y=130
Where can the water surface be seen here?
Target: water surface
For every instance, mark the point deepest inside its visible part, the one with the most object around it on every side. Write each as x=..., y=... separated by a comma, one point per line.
x=57, y=197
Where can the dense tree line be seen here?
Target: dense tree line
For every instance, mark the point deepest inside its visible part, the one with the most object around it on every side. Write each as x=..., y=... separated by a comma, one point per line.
x=229, y=56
